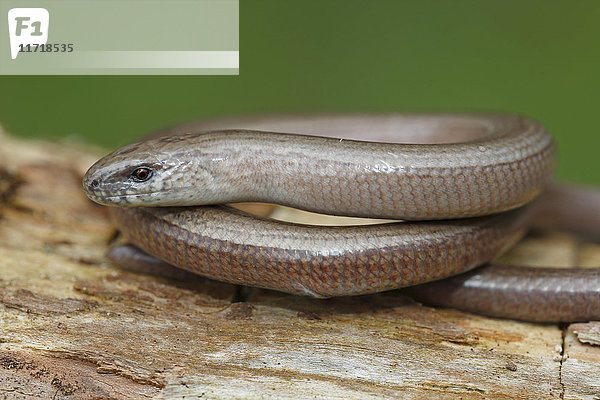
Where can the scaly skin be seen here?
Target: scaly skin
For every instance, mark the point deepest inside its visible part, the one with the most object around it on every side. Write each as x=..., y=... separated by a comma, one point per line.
x=225, y=244
x=526, y=293
x=506, y=164
x=500, y=163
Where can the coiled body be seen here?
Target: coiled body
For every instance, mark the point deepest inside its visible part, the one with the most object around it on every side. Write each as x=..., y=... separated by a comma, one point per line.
x=465, y=166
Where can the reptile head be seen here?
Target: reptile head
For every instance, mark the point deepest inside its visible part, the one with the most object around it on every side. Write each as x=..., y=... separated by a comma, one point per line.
x=150, y=173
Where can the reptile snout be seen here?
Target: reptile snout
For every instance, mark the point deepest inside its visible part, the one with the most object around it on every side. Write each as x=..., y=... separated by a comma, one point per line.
x=91, y=186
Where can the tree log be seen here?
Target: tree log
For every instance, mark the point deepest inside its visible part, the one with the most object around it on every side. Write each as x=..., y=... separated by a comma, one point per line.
x=74, y=326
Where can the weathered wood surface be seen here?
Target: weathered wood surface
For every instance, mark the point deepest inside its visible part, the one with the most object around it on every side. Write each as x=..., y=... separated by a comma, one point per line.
x=73, y=326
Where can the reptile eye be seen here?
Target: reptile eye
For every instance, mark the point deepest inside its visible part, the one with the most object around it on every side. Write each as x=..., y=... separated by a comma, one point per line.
x=141, y=174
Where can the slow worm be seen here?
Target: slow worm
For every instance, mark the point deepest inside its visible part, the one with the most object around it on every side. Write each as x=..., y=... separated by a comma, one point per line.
x=466, y=179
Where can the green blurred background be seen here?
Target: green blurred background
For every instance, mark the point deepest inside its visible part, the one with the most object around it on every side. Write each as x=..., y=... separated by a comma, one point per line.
x=540, y=58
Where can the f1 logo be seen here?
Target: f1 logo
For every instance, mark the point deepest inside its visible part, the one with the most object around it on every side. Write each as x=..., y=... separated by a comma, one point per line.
x=27, y=26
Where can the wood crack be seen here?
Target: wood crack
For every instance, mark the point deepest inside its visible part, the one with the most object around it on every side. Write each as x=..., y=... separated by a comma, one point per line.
x=563, y=345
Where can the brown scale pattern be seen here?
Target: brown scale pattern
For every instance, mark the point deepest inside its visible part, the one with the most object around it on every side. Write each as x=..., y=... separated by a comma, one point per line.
x=531, y=294
x=423, y=193
x=393, y=256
